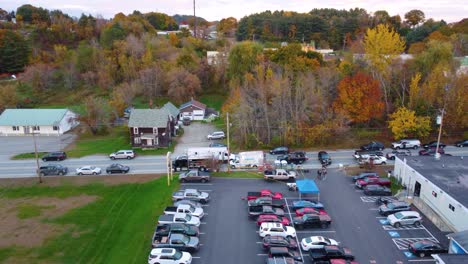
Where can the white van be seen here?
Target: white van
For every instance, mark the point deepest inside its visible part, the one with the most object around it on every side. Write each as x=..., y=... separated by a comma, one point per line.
x=248, y=159
x=407, y=144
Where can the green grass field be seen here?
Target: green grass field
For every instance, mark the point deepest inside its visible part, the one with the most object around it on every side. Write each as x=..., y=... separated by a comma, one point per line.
x=116, y=228
x=237, y=174
x=215, y=101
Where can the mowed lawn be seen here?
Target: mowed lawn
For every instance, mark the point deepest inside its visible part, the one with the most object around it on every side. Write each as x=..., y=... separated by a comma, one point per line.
x=115, y=228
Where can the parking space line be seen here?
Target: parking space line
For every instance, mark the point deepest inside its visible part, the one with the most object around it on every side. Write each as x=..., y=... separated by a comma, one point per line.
x=195, y=257
x=381, y=217
x=390, y=227
x=201, y=233
x=317, y=231
x=373, y=209
x=297, y=240
x=420, y=260
x=203, y=223
x=402, y=243
x=262, y=254
x=430, y=234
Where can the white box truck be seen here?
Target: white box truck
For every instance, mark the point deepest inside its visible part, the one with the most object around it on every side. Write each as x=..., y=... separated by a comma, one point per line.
x=248, y=160
x=202, y=158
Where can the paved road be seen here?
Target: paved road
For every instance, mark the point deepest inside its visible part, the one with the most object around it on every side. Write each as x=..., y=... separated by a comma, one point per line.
x=157, y=164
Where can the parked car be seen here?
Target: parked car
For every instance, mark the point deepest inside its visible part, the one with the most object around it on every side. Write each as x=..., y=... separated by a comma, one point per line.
x=376, y=160
x=279, y=151
x=179, y=218
x=88, y=170
x=264, y=193
x=216, y=135
x=372, y=181
x=122, y=154
x=324, y=158
x=117, y=168
x=267, y=201
x=186, y=121
x=178, y=241
x=303, y=211
x=191, y=194
x=374, y=145
x=363, y=175
x=186, y=209
x=175, y=228
x=404, y=218
x=306, y=204
x=255, y=211
x=394, y=153
x=431, y=151
x=358, y=154
x=433, y=144
x=279, y=174
x=278, y=241
x=52, y=169
x=54, y=156
x=426, y=248
x=282, y=260
x=312, y=220
x=406, y=144
x=217, y=145
x=462, y=143
x=377, y=190
x=284, y=252
x=393, y=207
x=297, y=157
x=269, y=218
x=195, y=175
x=309, y=243
x=330, y=252
x=169, y=256
x=192, y=203
x=276, y=229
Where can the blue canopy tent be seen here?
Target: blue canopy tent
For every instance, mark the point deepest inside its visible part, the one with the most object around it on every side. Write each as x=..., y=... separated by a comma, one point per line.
x=307, y=187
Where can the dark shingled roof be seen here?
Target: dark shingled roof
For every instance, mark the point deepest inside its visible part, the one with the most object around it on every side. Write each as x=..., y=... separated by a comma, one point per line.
x=450, y=174
x=148, y=118
x=194, y=103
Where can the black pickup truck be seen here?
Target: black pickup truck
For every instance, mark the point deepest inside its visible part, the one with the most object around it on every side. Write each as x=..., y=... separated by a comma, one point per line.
x=255, y=211
x=330, y=252
x=267, y=201
x=175, y=228
x=297, y=157
x=311, y=220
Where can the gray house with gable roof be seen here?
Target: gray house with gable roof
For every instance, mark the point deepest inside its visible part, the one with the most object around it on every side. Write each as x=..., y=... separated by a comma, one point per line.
x=174, y=115
x=150, y=128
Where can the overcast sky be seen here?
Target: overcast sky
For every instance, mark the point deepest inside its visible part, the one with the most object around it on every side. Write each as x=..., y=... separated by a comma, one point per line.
x=449, y=10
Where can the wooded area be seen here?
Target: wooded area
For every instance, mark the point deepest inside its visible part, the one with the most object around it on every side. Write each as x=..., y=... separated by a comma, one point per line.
x=277, y=93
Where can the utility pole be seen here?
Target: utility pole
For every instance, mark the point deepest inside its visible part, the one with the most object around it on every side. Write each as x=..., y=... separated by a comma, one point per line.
x=37, y=158
x=437, y=154
x=194, y=21
x=168, y=165
x=229, y=151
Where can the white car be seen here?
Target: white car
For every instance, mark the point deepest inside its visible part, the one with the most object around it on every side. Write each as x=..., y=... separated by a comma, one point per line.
x=407, y=144
x=88, y=170
x=404, y=218
x=377, y=160
x=276, y=229
x=122, y=154
x=169, y=256
x=216, y=135
x=314, y=242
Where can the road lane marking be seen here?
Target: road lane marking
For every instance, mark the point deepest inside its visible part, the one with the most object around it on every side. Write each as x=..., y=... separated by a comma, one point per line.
x=297, y=240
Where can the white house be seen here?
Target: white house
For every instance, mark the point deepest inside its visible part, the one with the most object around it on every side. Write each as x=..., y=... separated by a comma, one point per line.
x=193, y=110
x=18, y=122
x=439, y=188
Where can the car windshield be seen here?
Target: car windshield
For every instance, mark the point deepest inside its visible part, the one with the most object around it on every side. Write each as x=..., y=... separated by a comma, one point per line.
x=399, y=215
x=390, y=206
x=185, y=239
x=327, y=240
x=188, y=217
x=191, y=208
x=178, y=255
x=308, y=240
x=324, y=156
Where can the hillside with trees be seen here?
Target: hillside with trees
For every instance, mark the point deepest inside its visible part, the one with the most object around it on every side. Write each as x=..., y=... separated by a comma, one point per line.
x=277, y=93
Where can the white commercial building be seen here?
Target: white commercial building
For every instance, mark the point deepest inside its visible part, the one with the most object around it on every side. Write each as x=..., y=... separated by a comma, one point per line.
x=439, y=188
x=49, y=122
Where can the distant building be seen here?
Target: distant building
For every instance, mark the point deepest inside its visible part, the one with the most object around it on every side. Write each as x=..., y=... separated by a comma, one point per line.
x=215, y=57
x=193, y=110
x=149, y=128
x=49, y=122
x=174, y=116
x=463, y=69
x=459, y=242
x=439, y=188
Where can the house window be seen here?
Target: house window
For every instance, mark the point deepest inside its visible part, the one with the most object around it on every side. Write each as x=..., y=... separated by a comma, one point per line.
x=155, y=130
x=35, y=128
x=137, y=140
x=135, y=130
x=15, y=128
x=434, y=194
x=451, y=207
x=56, y=128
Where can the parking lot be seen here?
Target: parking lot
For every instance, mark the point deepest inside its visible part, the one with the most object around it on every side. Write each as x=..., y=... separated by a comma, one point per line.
x=229, y=236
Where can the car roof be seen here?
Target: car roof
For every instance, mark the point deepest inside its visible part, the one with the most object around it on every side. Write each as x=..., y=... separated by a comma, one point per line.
x=163, y=251
x=317, y=238
x=399, y=203
x=407, y=213
x=271, y=225
x=279, y=250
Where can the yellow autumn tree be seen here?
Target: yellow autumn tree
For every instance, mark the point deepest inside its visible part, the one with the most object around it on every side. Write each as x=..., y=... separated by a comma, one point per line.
x=404, y=123
x=382, y=44
x=414, y=90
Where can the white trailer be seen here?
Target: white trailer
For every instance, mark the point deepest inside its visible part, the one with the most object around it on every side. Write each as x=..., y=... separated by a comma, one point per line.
x=248, y=159
x=217, y=153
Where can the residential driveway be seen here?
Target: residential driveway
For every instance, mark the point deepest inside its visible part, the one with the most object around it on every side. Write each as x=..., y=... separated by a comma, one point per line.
x=13, y=145
x=194, y=136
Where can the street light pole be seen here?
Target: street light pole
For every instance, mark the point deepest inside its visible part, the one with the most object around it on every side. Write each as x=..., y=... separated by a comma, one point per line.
x=228, y=145
x=437, y=154
x=37, y=158
x=168, y=166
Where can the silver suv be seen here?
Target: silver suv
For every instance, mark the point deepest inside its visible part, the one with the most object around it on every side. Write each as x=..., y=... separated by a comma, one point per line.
x=216, y=135
x=122, y=154
x=404, y=218
x=406, y=144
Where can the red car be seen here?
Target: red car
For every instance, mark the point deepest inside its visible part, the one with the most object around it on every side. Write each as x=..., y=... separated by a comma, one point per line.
x=342, y=261
x=264, y=193
x=303, y=211
x=373, y=181
x=272, y=219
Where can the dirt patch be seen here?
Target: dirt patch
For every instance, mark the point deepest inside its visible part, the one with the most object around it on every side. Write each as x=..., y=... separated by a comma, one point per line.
x=33, y=231
x=381, y=170
x=80, y=180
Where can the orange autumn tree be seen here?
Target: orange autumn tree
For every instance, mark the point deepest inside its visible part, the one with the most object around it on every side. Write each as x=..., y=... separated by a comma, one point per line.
x=359, y=98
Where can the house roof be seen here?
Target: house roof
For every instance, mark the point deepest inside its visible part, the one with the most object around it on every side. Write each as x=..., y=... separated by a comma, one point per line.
x=193, y=103
x=448, y=173
x=148, y=118
x=461, y=238
x=32, y=117
x=172, y=109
